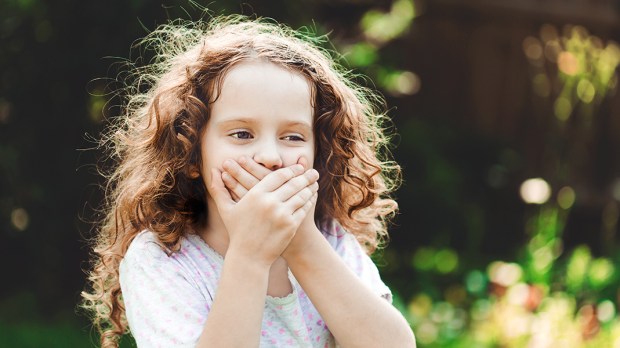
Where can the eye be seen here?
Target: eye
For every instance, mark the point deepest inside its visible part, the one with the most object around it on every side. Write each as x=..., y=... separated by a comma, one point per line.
x=293, y=138
x=241, y=135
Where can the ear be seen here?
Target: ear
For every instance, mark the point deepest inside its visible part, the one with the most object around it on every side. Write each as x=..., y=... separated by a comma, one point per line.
x=194, y=172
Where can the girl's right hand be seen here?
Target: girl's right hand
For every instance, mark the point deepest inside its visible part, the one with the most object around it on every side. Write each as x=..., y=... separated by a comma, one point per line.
x=262, y=222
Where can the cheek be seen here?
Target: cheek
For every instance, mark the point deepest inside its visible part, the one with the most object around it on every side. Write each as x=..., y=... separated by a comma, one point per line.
x=304, y=156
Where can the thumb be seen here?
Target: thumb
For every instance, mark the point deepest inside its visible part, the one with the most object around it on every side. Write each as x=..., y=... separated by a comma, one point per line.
x=218, y=190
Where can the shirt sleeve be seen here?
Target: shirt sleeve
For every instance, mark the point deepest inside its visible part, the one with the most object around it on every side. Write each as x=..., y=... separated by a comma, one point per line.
x=164, y=308
x=351, y=252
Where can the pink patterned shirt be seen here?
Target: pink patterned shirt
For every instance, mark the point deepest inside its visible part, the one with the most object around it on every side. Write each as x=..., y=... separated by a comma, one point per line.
x=168, y=296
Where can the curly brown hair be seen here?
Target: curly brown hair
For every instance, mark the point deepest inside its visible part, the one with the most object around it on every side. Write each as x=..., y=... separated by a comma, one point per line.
x=156, y=140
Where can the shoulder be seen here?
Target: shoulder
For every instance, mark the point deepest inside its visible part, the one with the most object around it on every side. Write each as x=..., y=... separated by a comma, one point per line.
x=340, y=239
x=166, y=300
x=147, y=254
x=193, y=263
x=354, y=256
x=345, y=244
x=146, y=246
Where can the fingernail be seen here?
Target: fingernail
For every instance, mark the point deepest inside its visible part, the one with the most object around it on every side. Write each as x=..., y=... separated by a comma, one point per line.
x=298, y=168
x=226, y=176
x=242, y=160
x=302, y=161
x=227, y=163
x=313, y=173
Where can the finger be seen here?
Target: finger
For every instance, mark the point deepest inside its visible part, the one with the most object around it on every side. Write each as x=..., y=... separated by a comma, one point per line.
x=242, y=176
x=234, y=197
x=304, y=162
x=302, y=197
x=296, y=184
x=237, y=190
x=218, y=191
x=301, y=213
x=251, y=166
x=277, y=178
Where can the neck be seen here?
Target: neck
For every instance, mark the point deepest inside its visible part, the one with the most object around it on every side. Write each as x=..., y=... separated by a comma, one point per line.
x=214, y=231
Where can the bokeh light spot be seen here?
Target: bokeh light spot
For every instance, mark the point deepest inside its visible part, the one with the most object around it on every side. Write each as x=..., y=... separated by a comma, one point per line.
x=562, y=108
x=407, y=83
x=611, y=214
x=455, y=294
x=442, y=312
x=552, y=51
x=548, y=32
x=532, y=48
x=446, y=261
x=475, y=282
x=605, y=311
x=542, y=259
x=600, y=272
x=586, y=91
x=535, y=191
x=96, y=106
x=568, y=63
x=566, y=197
x=5, y=111
x=505, y=274
x=361, y=54
x=424, y=259
x=382, y=27
x=518, y=294
x=541, y=85
x=20, y=219
x=420, y=306
x=481, y=309
x=426, y=332
x=615, y=190
x=577, y=267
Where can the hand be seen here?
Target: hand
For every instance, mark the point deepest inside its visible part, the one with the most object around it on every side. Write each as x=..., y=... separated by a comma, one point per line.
x=265, y=217
x=242, y=175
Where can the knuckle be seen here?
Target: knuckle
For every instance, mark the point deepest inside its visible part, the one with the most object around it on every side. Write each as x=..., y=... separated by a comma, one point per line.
x=301, y=182
x=283, y=174
x=270, y=204
x=298, y=200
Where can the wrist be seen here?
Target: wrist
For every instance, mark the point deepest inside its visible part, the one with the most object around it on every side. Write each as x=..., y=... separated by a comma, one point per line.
x=248, y=261
x=306, y=239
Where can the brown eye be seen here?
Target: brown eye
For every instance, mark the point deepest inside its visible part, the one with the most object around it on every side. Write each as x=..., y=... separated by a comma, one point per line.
x=293, y=138
x=241, y=135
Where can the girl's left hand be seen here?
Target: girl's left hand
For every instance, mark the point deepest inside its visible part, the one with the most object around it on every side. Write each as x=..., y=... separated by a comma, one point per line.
x=244, y=173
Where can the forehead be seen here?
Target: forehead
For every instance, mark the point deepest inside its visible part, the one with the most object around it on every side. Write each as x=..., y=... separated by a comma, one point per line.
x=265, y=90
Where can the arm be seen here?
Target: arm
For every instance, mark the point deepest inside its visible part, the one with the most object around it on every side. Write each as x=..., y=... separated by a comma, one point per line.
x=237, y=309
x=346, y=304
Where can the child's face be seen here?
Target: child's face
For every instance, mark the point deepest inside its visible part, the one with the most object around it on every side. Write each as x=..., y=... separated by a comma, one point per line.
x=263, y=112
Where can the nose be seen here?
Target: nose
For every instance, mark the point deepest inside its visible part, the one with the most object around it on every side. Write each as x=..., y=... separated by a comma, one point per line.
x=268, y=156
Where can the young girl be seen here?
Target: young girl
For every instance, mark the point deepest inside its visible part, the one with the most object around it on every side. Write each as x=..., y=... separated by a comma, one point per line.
x=248, y=191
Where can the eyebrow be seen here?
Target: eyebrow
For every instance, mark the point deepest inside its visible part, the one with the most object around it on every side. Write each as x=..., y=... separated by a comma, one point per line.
x=252, y=121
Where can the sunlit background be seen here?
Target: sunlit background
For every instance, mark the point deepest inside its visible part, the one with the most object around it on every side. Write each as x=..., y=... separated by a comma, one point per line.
x=508, y=115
